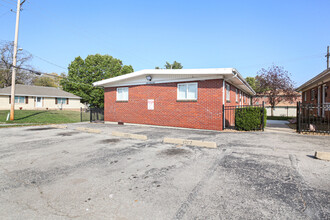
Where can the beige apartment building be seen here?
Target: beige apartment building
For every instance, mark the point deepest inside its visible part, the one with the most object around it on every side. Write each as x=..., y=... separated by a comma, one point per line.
x=39, y=98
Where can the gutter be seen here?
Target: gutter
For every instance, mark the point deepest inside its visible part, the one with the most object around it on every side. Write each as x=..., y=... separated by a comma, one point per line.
x=239, y=77
x=313, y=80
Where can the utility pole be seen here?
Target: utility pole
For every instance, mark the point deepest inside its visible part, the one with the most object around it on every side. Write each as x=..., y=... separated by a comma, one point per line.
x=327, y=56
x=13, y=77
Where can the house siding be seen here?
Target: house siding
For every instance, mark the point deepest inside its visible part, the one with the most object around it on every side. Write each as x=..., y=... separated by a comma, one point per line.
x=47, y=102
x=205, y=113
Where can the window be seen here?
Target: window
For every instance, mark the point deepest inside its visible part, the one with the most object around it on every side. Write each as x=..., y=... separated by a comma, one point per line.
x=312, y=94
x=240, y=96
x=228, y=92
x=236, y=96
x=122, y=94
x=61, y=101
x=305, y=96
x=20, y=99
x=187, y=91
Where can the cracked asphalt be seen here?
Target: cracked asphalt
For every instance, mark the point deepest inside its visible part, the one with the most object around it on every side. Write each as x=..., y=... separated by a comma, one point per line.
x=53, y=173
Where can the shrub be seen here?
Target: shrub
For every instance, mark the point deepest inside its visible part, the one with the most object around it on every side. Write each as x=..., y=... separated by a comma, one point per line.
x=249, y=118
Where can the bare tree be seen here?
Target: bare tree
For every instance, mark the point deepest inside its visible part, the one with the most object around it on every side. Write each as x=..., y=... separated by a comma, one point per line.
x=276, y=84
x=6, y=63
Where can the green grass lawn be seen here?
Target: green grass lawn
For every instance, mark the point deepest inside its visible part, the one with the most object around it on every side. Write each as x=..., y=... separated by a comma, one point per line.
x=43, y=117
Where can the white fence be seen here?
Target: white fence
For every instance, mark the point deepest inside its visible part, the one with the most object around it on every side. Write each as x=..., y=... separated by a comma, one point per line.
x=286, y=111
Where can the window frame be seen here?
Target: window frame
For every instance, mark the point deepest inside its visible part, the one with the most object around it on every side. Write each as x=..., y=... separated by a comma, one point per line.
x=186, y=92
x=19, y=99
x=125, y=99
x=61, y=102
x=236, y=96
x=312, y=94
x=305, y=96
x=227, y=92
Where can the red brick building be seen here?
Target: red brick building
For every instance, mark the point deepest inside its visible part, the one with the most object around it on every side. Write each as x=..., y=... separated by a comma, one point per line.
x=258, y=99
x=316, y=91
x=190, y=98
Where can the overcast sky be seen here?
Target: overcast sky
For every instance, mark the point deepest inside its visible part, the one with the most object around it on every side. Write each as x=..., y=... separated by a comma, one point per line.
x=247, y=35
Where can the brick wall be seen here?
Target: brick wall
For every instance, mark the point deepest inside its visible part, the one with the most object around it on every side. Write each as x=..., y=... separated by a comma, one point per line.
x=257, y=100
x=205, y=113
x=244, y=100
x=309, y=98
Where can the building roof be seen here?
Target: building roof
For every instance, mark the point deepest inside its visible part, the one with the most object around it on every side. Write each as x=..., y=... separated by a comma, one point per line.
x=40, y=91
x=177, y=75
x=319, y=79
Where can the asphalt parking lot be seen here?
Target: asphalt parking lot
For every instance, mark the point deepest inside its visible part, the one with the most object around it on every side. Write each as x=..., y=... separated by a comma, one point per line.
x=63, y=173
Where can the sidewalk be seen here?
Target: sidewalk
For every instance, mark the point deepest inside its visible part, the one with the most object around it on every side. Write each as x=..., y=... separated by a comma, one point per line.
x=278, y=126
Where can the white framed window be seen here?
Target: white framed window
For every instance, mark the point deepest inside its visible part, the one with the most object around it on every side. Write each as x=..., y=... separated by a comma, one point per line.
x=187, y=91
x=122, y=94
x=240, y=96
x=312, y=94
x=20, y=99
x=236, y=97
x=61, y=101
x=228, y=92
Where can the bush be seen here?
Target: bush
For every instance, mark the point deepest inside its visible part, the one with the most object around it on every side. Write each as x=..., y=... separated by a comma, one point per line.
x=249, y=118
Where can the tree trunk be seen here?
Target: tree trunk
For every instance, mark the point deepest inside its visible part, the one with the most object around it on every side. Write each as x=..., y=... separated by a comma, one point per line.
x=272, y=111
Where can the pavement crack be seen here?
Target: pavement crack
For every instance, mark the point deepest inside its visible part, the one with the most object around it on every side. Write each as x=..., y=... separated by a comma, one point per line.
x=193, y=194
x=310, y=207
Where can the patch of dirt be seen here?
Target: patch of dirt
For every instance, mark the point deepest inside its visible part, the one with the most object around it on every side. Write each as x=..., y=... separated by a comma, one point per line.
x=67, y=133
x=107, y=141
x=175, y=151
x=40, y=129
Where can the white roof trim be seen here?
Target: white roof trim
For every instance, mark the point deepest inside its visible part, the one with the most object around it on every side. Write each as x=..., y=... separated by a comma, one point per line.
x=313, y=82
x=217, y=72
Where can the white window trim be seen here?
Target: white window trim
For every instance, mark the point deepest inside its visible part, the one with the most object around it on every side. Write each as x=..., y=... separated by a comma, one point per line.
x=18, y=98
x=121, y=88
x=60, y=102
x=236, y=97
x=228, y=92
x=186, y=99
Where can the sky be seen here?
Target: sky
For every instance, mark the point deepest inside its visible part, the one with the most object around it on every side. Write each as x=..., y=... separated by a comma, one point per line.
x=246, y=35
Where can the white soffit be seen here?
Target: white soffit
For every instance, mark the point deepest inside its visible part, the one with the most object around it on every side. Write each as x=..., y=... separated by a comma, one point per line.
x=176, y=75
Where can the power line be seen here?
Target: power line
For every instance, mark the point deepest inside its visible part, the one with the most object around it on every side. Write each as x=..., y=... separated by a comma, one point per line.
x=3, y=14
x=47, y=61
x=50, y=75
x=9, y=2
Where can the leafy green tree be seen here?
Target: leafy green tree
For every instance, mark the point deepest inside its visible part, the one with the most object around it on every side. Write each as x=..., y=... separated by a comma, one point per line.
x=252, y=82
x=174, y=65
x=52, y=80
x=82, y=73
x=255, y=84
